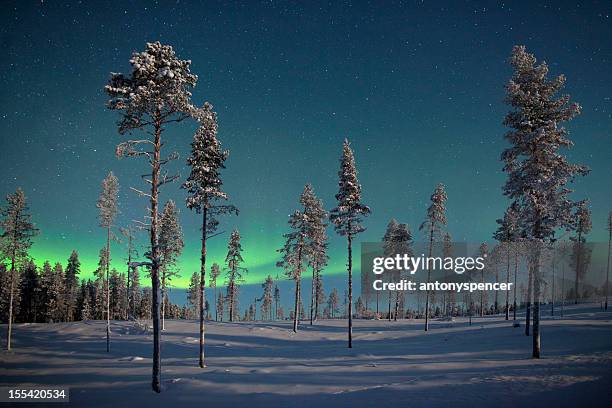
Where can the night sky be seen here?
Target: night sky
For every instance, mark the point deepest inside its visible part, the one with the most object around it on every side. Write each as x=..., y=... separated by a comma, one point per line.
x=417, y=88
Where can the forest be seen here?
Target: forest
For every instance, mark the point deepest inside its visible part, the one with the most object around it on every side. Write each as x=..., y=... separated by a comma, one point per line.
x=541, y=244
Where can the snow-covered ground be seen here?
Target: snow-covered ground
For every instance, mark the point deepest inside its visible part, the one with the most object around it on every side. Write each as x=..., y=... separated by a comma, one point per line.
x=266, y=364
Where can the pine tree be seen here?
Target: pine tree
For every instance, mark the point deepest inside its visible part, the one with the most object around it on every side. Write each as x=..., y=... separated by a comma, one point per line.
x=171, y=245
x=581, y=256
x=85, y=302
x=52, y=286
x=155, y=94
x=293, y=255
x=396, y=241
x=321, y=298
x=73, y=269
x=333, y=303
x=215, y=272
x=508, y=234
x=193, y=293
x=316, y=243
x=29, y=293
x=266, y=299
x=276, y=301
x=234, y=273
x=436, y=219
x=107, y=204
x=347, y=217
x=15, y=241
x=538, y=173
x=204, y=188
x=220, y=306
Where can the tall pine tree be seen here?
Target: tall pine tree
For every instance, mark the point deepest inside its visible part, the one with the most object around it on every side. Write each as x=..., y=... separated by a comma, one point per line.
x=204, y=191
x=15, y=241
x=107, y=204
x=538, y=172
x=155, y=94
x=436, y=219
x=347, y=217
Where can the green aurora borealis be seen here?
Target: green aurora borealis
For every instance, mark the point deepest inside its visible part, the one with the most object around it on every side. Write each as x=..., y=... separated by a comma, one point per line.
x=417, y=89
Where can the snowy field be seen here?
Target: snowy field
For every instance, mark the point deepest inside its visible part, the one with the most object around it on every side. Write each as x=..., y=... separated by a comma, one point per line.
x=265, y=364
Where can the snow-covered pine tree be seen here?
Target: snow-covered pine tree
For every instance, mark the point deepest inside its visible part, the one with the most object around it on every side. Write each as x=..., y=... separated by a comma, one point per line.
x=396, y=241
x=84, y=312
x=347, y=217
x=100, y=285
x=581, y=254
x=436, y=219
x=29, y=289
x=538, y=172
x=193, y=293
x=316, y=243
x=215, y=272
x=266, y=299
x=333, y=302
x=171, y=245
x=107, y=204
x=220, y=306
x=203, y=185
x=155, y=94
x=508, y=235
x=293, y=255
x=73, y=269
x=321, y=298
x=234, y=273
x=15, y=241
x=276, y=300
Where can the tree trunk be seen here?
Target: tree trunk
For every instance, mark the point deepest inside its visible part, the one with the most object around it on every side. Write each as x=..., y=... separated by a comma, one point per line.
x=108, y=289
x=297, y=304
x=316, y=314
x=350, y=288
x=508, y=282
x=515, y=284
x=608, y=268
x=577, y=267
x=396, y=306
x=312, y=296
x=155, y=307
x=202, y=285
x=11, y=299
x=536, y=306
x=231, y=300
x=482, y=296
x=552, y=307
x=163, y=299
x=377, y=316
x=389, y=306
x=431, y=231
x=528, y=303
